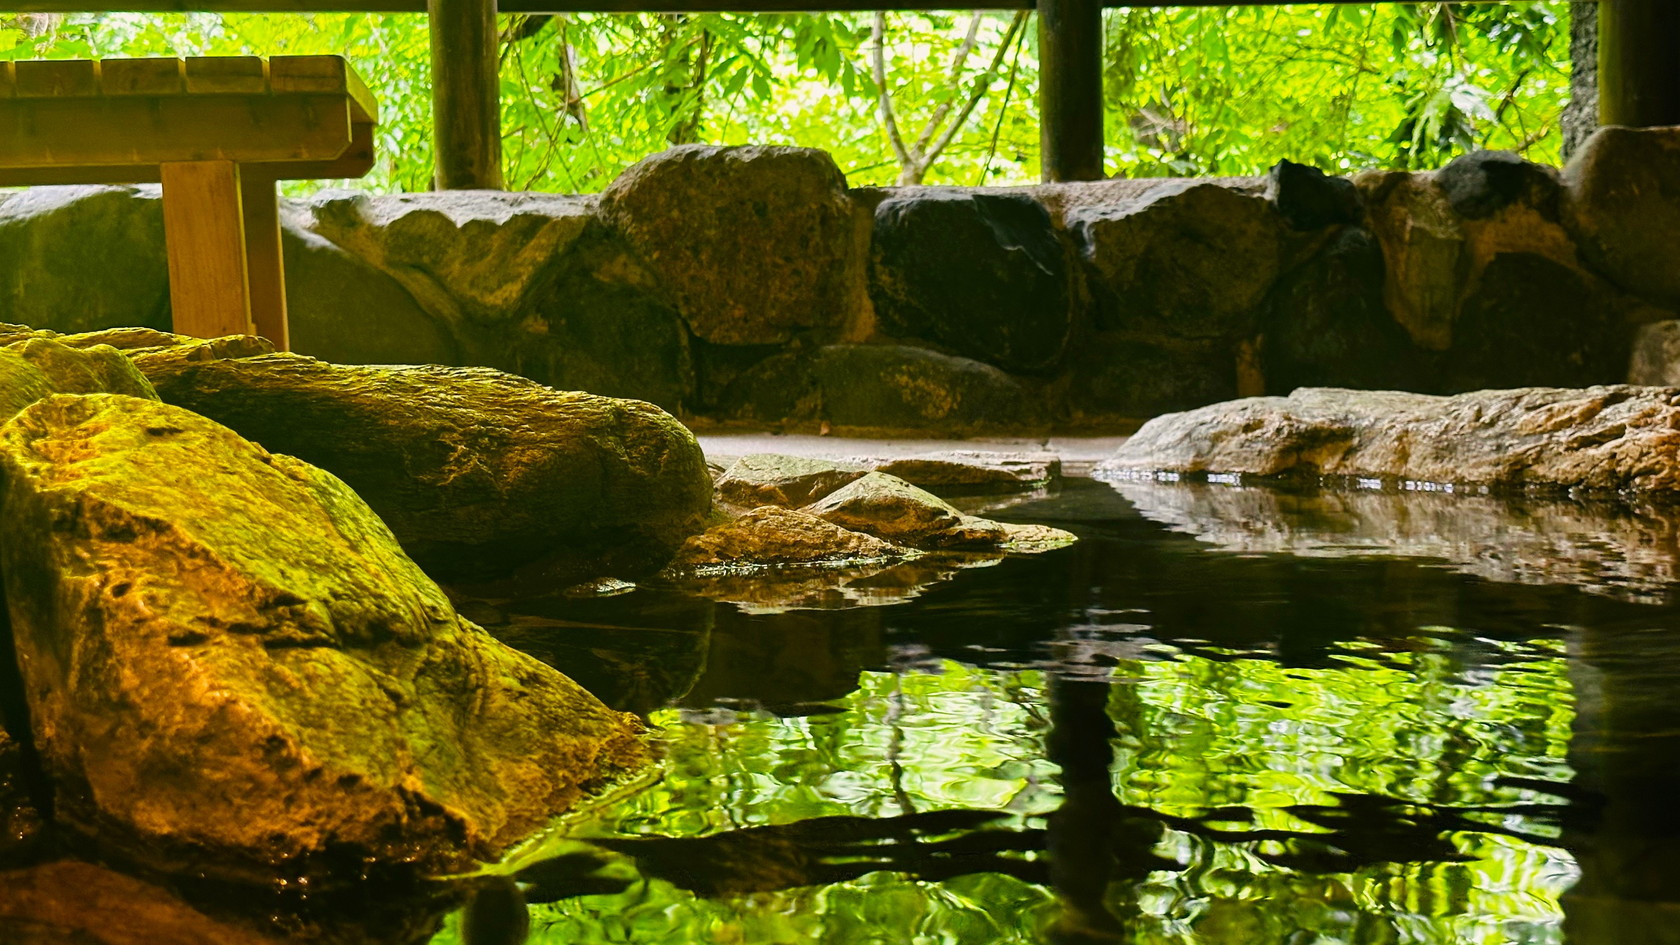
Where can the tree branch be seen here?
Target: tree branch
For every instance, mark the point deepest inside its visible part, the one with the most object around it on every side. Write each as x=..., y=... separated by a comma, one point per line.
x=982, y=85
x=878, y=33
x=957, y=62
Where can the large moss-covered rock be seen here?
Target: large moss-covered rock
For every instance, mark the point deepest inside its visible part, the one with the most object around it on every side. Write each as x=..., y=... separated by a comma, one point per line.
x=755, y=243
x=231, y=665
x=1622, y=204
x=1113, y=376
x=1179, y=258
x=37, y=366
x=80, y=258
x=1601, y=438
x=984, y=275
x=475, y=471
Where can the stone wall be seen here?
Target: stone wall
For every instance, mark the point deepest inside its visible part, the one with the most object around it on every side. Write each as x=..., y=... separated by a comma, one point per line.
x=751, y=286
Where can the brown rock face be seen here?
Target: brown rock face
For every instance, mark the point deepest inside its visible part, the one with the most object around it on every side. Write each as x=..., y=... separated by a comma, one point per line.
x=1619, y=204
x=476, y=471
x=771, y=536
x=974, y=472
x=1180, y=259
x=231, y=666
x=755, y=243
x=1599, y=438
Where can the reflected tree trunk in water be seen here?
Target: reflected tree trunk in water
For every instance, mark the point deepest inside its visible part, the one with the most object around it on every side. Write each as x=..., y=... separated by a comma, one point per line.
x=1626, y=749
x=1086, y=831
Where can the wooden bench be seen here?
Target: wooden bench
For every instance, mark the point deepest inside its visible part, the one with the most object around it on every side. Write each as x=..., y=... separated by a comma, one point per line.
x=217, y=133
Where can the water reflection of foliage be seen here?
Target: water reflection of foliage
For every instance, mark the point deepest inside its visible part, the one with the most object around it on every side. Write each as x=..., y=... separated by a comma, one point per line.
x=1280, y=790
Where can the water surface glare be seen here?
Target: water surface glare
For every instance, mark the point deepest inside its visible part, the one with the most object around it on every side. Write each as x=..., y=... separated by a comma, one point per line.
x=1225, y=716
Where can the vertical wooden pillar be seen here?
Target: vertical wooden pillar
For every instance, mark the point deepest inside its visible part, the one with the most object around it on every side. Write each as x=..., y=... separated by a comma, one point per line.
x=208, y=289
x=1639, y=62
x=466, y=109
x=1070, y=89
x=265, y=266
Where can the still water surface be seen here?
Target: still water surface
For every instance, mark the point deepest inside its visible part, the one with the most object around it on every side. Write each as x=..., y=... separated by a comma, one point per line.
x=1227, y=715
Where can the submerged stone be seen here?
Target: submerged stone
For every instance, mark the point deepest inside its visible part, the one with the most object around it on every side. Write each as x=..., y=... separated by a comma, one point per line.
x=73, y=903
x=770, y=535
x=1599, y=438
x=789, y=481
x=476, y=471
x=232, y=667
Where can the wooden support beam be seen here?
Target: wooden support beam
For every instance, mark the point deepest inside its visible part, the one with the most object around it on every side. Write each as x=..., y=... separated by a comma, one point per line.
x=209, y=293
x=466, y=95
x=1070, y=89
x=1639, y=62
x=265, y=265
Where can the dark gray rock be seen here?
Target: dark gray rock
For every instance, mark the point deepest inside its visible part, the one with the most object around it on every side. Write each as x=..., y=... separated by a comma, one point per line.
x=597, y=320
x=983, y=275
x=80, y=258
x=1622, y=205
x=342, y=309
x=1529, y=321
x=755, y=244
x=1325, y=324
x=476, y=471
x=1116, y=377
x=1309, y=199
x=1482, y=183
x=885, y=387
x=1176, y=259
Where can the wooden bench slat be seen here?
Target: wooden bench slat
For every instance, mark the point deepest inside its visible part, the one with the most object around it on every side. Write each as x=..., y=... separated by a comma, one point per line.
x=141, y=77
x=226, y=75
x=56, y=78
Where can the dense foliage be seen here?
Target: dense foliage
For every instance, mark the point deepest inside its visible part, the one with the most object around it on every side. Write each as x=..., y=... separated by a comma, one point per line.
x=1190, y=91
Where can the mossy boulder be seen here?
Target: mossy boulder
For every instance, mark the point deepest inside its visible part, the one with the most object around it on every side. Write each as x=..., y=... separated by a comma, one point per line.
x=37, y=366
x=476, y=471
x=233, y=668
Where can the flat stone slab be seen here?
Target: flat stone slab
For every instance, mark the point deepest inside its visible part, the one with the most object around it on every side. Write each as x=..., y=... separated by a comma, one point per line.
x=1612, y=438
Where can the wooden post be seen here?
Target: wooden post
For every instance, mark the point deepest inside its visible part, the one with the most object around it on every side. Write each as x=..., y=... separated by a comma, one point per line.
x=208, y=290
x=1070, y=89
x=466, y=87
x=265, y=266
x=1639, y=62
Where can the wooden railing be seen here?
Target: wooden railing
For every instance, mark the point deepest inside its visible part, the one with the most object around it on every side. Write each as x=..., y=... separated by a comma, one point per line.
x=1639, y=61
